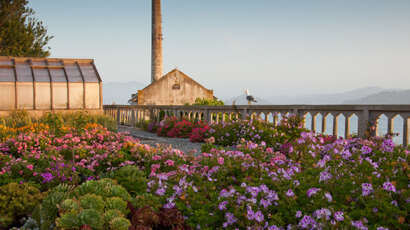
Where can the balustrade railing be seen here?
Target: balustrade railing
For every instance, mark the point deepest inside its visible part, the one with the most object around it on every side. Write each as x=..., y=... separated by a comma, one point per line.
x=339, y=120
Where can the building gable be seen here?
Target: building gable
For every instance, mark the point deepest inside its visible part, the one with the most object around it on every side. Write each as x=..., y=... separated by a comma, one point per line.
x=174, y=88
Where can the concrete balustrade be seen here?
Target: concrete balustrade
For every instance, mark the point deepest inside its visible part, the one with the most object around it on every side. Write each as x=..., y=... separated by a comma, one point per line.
x=367, y=116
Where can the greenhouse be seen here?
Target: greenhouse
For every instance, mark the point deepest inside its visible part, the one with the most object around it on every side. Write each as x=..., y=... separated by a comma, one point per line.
x=48, y=84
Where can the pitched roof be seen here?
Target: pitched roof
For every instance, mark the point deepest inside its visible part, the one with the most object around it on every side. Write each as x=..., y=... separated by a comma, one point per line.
x=27, y=69
x=169, y=74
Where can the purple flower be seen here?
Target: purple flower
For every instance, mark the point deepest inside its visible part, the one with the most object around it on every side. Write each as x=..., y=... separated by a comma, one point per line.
x=365, y=149
x=389, y=187
x=160, y=192
x=394, y=202
x=226, y=193
x=346, y=154
x=290, y=193
x=328, y=197
x=178, y=190
x=259, y=216
x=359, y=225
x=388, y=145
x=222, y=205
x=324, y=176
x=366, y=189
x=169, y=205
x=253, y=191
x=265, y=203
x=298, y=214
x=274, y=227
x=312, y=191
x=322, y=213
x=230, y=218
x=339, y=216
x=306, y=221
x=47, y=177
x=250, y=214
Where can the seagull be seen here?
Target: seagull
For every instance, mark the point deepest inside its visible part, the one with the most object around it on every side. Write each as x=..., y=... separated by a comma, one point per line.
x=249, y=97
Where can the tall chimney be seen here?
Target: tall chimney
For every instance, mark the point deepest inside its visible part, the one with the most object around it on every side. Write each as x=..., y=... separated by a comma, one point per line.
x=156, y=54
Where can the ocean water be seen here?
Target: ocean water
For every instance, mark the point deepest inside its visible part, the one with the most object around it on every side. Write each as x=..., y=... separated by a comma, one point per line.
x=381, y=126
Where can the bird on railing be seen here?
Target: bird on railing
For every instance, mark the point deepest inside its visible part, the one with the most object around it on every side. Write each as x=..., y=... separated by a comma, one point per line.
x=249, y=97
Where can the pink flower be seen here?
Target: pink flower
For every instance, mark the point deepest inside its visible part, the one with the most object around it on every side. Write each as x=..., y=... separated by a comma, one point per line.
x=169, y=162
x=156, y=157
x=30, y=167
x=221, y=160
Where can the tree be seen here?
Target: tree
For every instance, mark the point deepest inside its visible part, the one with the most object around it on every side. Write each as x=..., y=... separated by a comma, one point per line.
x=20, y=33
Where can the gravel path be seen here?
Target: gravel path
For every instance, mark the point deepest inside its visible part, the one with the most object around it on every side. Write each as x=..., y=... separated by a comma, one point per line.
x=152, y=139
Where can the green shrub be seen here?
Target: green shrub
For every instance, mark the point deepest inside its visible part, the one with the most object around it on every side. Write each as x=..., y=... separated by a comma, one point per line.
x=97, y=205
x=79, y=120
x=132, y=179
x=147, y=200
x=55, y=122
x=209, y=102
x=17, y=119
x=17, y=201
x=46, y=213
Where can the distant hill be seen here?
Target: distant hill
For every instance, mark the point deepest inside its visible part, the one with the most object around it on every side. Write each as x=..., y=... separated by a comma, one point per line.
x=384, y=97
x=317, y=99
x=119, y=92
x=241, y=100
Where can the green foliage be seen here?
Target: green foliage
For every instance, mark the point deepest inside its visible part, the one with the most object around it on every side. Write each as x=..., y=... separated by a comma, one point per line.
x=120, y=223
x=209, y=102
x=47, y=212
x=95, y=204
x=132, y=179
x=18, y=119
x=147, y=200
x=21, y=34
x=57, y=122
x=17, y=201
x=79, y=120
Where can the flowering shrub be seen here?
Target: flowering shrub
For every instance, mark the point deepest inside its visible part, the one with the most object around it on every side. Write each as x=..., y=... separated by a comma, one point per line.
x=232, y=132
x=196, y=131
x=287, y=178
x=200, y=133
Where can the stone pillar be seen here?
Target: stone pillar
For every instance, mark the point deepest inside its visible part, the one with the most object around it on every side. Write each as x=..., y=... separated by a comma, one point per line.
x=156, y=54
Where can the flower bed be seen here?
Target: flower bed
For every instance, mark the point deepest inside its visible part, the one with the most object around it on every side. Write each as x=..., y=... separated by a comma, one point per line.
x=172, y=127
x=307, y=181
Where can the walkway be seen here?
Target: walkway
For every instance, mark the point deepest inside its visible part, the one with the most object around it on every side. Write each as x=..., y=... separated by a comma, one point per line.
x=152, y=139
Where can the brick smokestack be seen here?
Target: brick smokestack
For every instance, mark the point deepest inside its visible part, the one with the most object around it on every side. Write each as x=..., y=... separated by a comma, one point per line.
x=156, y=54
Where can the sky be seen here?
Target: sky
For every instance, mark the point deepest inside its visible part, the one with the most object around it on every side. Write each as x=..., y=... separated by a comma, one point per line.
x=271, y=47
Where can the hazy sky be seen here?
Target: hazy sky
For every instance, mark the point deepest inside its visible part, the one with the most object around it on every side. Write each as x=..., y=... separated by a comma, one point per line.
x=272, y=47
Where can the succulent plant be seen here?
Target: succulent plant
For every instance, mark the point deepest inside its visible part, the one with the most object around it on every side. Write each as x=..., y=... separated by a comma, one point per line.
x=17, y=201
x=132, y=179
x=95, y=205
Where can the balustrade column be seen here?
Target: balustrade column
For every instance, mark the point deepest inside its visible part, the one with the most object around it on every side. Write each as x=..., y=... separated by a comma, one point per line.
x=244, y=114
x=313, y=122
x=323, y=123
x=363, y=122
x=335, y=125
x=347, y=126
x=275, y=119
x=405, y=131
x=390, y=124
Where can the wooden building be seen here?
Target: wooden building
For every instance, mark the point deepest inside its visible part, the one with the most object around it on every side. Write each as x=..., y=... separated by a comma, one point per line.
x=175, y=88
x=41, y=85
